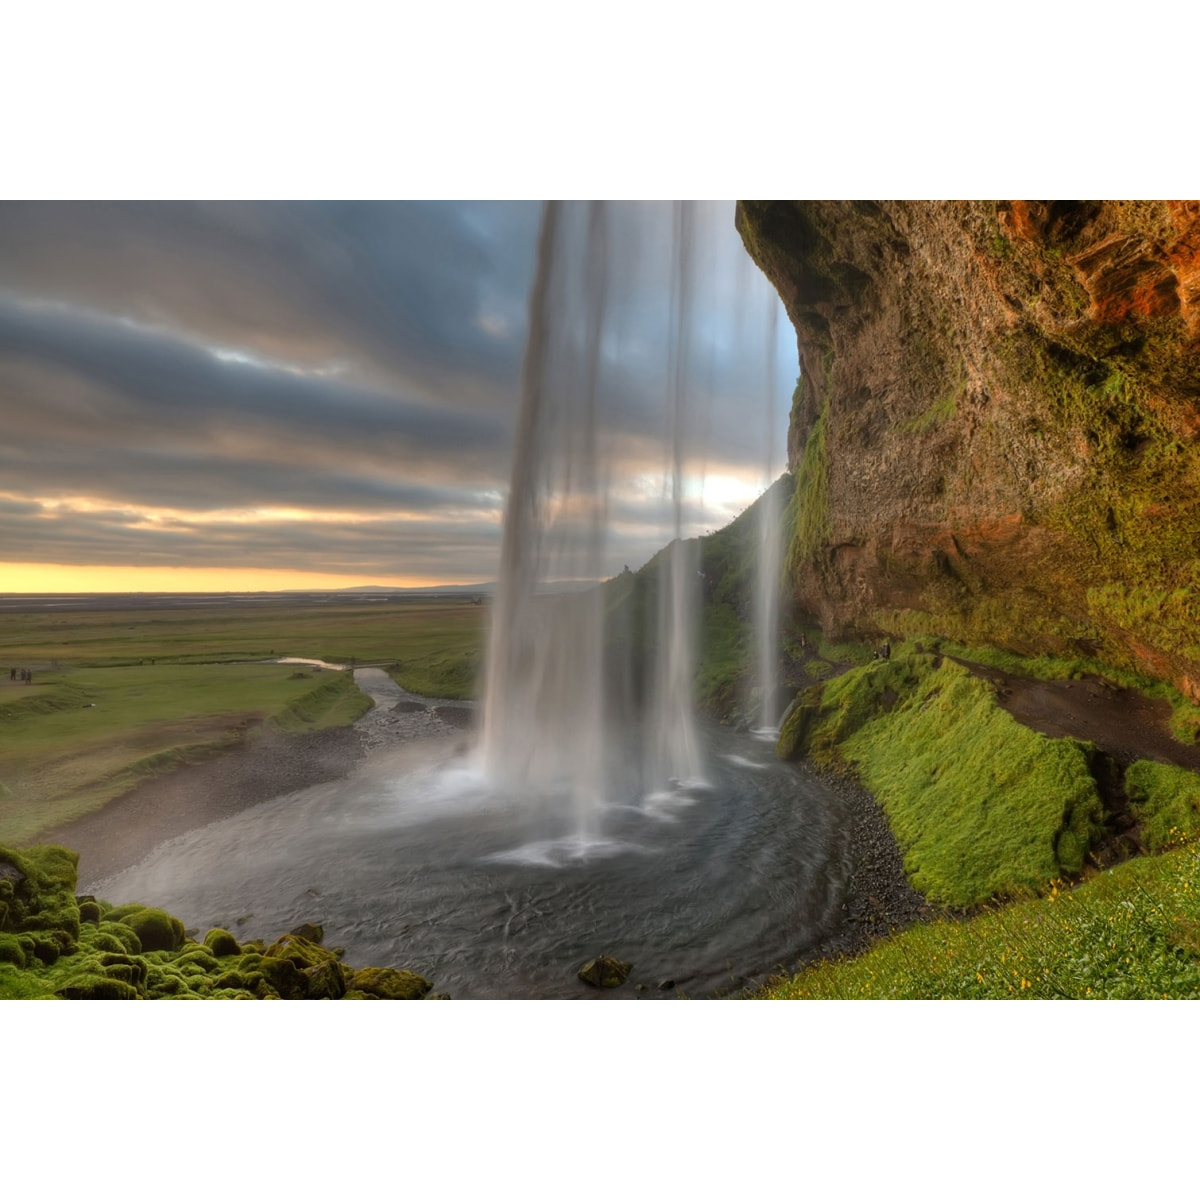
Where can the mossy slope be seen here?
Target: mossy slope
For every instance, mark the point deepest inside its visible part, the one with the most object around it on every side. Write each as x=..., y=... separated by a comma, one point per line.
x=980, y=805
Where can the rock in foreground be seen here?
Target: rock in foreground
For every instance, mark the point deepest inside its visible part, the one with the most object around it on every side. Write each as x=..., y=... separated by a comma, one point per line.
x=605, y=972
x=54, y=944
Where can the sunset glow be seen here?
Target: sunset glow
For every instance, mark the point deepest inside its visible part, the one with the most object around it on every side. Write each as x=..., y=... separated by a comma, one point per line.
x=51, y=578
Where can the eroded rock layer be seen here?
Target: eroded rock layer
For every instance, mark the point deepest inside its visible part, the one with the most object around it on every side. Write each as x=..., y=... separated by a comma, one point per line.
x=996, y=431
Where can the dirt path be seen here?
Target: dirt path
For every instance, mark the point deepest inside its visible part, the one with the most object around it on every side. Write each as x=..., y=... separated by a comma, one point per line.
x=1123, y=723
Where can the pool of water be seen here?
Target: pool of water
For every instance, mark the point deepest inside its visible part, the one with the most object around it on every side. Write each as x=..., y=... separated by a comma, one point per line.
x=414, y=861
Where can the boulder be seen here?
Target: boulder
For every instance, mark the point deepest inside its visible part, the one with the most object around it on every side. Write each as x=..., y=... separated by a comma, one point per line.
x=325, y=982
x=605, y=971
x=387, y=983
x=156, y=929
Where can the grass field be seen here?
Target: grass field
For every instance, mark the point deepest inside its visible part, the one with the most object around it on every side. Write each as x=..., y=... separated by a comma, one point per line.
x=119, y=696
x=410, y=632
x=1132, y=933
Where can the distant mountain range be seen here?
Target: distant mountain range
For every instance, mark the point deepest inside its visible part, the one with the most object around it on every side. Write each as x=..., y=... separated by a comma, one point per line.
x=441, y=589
x=467, y=589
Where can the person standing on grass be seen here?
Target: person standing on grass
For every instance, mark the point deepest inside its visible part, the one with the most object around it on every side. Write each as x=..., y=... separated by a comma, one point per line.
x=12, y=673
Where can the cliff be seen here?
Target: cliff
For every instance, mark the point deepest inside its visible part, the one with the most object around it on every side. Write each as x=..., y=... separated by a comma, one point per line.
x=996, y=432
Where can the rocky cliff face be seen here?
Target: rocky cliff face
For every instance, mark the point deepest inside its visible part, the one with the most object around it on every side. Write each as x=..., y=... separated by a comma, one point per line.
x=996, y=433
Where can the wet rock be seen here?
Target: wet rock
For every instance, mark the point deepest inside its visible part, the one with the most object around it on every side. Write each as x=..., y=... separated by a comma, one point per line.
x=310, y=932
x=386, y=983
x=458, y=718
x=326, y=981
x=605, y=971
x=666, y=985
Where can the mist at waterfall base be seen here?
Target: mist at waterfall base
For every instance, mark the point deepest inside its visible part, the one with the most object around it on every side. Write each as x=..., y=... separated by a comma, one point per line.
x=593, y=812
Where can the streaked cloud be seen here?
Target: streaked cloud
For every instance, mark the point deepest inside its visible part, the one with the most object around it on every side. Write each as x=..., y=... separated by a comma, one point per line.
x=326, y=387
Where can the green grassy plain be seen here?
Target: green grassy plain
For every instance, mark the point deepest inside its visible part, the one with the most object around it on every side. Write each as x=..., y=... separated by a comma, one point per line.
x=340, y=633
x=1131, y=933
x=121, y=696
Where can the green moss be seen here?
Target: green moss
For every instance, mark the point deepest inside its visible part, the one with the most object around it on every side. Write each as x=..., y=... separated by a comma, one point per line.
x=795, y=727
x=1166, y=800
x=40, y=899
x=385, y=983
x=221, y=943
x=299, y=950
x=143, y=952
x=808, y=512
x=97, y=987
x=106, y=942
x=11, y=950
x=192, y=955
x=980, y=805
x=156, y=929
x=942, y=409
x=122, y=934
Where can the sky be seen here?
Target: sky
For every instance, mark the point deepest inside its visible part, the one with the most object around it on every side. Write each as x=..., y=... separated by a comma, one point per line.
x=255, y=395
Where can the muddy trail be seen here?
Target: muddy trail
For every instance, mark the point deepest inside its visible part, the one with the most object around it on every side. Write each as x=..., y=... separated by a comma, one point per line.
x=1120, y=722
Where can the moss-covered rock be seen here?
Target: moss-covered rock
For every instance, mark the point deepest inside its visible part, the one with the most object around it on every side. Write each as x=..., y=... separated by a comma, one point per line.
x=133, y=951
x=221, y=943
x=97, y=987
x=105, y=941
x=387, y=983
x=195, y=955
x=797, y=723
x=605, y=971
x=326, y=981
x=39, y=892
x=300, y=951
x=122, y=934
x=156, y=929
x=11, y=950
x=284, y=977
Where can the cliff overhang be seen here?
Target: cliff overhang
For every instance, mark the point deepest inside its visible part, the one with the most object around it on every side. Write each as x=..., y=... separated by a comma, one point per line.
x=996, y=430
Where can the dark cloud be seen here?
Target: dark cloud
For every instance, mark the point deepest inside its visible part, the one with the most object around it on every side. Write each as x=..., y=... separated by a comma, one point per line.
x=165, y=365
x=382, y=287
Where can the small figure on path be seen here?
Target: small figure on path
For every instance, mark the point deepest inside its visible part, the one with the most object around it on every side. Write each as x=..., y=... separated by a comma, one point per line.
x=12, y=673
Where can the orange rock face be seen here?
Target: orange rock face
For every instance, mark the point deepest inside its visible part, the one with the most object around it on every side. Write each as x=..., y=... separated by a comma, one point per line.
x=1008, y=397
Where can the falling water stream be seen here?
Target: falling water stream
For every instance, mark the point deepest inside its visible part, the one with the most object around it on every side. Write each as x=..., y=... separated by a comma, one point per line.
x=587, y=815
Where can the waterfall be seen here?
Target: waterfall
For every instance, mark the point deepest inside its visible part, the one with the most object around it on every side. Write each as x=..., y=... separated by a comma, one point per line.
x=547, y=728
x=767, y=582
x=673, y=748
x=543, y=717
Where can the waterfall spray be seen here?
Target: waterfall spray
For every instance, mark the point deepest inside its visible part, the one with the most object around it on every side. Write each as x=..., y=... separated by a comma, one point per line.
x=767, y=582
x=543, y=720
x=674, y=748
x=546, y=724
